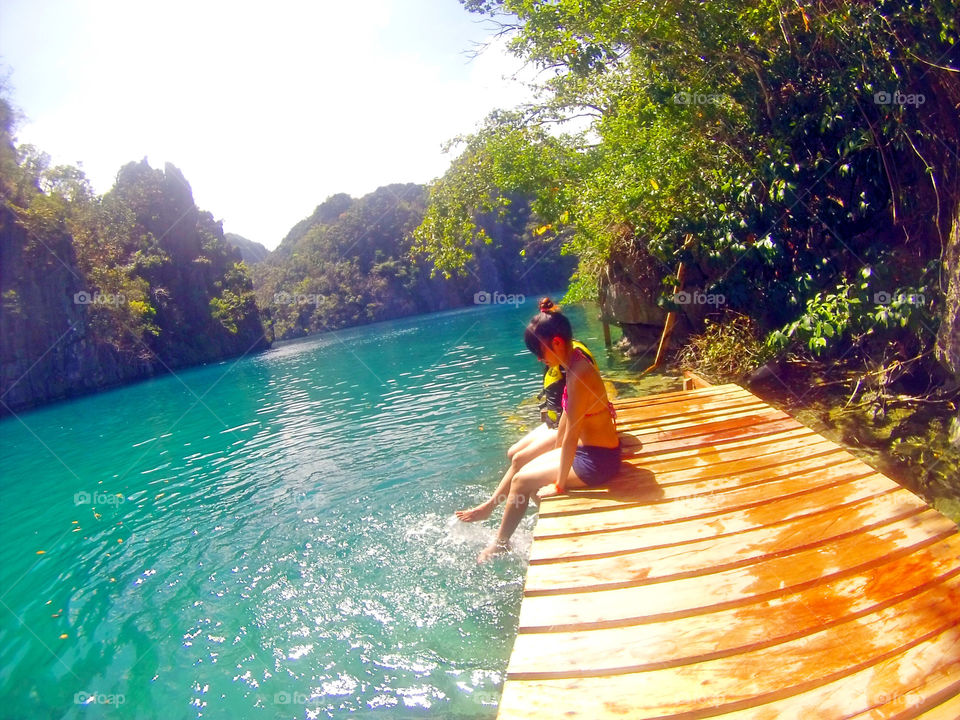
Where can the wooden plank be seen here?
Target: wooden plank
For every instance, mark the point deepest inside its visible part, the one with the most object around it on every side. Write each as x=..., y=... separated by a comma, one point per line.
x=636, y=411
x=645, y=482
x=641, y=483
x=699, y=423
x=714, y=435
x=741, y=566
x=681, y=395
x=651, y=602
x=746, y=548
x=919, y=683
x=750, y=678
x=949, y=709
x=637, y=455
x=679, y=410
x=668, y=458
x=932, y=697
x=777, y=511
x=742, y=491
x=692, y=381
x=584, y=653
x=708, y=420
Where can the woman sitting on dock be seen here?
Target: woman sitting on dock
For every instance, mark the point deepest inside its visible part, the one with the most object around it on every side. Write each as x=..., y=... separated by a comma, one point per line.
x=542, y=438
x=586, y=451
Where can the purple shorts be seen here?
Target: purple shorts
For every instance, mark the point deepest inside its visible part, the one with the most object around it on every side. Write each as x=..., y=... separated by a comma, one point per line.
x=596, y=465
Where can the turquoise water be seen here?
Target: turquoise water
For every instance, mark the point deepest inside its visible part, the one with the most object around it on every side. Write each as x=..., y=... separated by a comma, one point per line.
x=273, y=537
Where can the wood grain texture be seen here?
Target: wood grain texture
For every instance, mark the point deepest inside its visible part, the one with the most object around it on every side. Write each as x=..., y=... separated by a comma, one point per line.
x=740, y=566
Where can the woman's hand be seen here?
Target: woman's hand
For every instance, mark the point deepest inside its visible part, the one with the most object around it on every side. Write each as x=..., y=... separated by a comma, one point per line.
x=549, y=491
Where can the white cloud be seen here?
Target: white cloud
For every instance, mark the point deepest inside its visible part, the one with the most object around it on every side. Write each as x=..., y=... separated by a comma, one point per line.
x=267, y=109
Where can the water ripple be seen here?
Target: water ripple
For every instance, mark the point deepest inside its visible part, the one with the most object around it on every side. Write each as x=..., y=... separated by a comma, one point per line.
x=287, y=544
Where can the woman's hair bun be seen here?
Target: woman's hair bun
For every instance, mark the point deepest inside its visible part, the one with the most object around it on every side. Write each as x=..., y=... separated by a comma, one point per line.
x=547, y=306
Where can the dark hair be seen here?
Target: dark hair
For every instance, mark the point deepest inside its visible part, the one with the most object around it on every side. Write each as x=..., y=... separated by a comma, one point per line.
x=545, y=326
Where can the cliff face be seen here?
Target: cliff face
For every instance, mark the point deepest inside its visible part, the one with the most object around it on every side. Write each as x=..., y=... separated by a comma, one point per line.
x=47, y=349
x=628, y=292
x=351, y=263
x=251, y=252
x=143, y=284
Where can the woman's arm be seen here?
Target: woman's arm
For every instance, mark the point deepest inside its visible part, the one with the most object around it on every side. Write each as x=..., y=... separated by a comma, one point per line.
x=573, y=417
x=561, y=429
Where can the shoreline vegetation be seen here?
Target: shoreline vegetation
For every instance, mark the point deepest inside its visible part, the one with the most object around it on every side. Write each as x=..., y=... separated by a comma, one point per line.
x=101, y=291
x=784, y=180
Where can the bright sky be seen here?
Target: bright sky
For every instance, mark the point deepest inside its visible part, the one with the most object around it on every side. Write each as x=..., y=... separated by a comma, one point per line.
x=267, y=108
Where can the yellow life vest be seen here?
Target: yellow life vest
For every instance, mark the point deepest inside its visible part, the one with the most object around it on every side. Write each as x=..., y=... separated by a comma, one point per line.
x=554, y=381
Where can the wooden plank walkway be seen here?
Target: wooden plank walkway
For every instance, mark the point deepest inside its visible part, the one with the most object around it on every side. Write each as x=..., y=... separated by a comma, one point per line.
x=741, y=566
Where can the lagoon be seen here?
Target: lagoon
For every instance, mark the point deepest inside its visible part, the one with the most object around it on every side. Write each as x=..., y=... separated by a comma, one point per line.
x=273, y=536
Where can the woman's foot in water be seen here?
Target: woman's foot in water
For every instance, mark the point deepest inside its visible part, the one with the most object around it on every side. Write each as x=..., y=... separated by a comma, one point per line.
x=480, y=512
x=491, y=551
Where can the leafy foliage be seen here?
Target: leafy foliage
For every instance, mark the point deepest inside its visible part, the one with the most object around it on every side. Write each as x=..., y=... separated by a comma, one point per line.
x=159, y=284
x=351, y=263
x=726, y=351
x=778, y=150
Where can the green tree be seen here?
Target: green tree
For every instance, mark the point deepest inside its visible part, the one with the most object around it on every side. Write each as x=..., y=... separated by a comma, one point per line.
x=779, y=150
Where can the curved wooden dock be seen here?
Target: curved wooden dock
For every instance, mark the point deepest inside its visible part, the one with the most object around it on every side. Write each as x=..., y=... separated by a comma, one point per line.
x=741, y=566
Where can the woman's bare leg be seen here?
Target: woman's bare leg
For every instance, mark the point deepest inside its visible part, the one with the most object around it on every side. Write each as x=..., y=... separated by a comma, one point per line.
x=537, y=473
x=535, y=438
x=536, y=442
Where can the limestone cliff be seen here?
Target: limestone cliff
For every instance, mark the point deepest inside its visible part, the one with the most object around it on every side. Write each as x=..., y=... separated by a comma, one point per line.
x=143, y=284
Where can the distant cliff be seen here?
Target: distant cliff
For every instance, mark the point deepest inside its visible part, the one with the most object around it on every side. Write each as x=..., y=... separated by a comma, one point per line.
x=351, y=262
x=99, y=291
x=251, y=252
x=102, y=290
